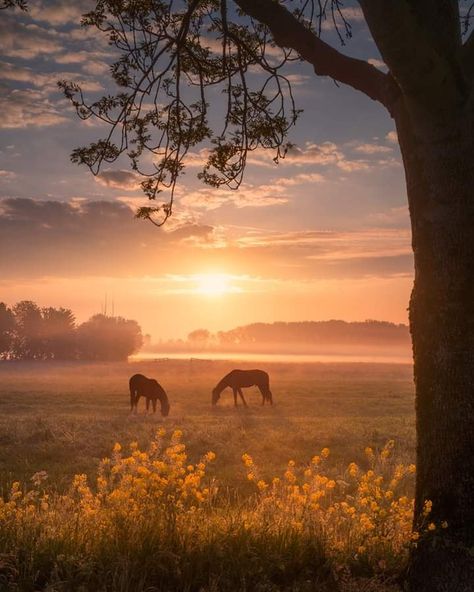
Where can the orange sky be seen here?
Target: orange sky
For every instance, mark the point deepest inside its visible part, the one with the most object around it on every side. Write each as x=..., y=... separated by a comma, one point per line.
x=323, y=235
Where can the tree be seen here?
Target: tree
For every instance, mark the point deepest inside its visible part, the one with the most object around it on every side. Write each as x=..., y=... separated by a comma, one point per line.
x=58, y=333
x=28, y=337
x=7, y=326
x=429, y=92
x=199, y=337
x=107, y=338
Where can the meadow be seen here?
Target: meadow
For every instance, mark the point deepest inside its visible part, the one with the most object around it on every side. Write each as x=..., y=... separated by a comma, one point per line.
x=293, y=513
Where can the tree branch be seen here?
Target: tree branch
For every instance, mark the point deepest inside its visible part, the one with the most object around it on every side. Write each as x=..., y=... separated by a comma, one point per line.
x=418, y=63
x=289, y=32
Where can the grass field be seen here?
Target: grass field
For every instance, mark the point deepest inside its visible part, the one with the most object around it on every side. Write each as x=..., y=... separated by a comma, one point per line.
x=64, y=418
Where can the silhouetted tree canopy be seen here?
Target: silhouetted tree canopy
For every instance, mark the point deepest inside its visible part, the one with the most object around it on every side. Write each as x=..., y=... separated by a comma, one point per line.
x=108, y=338
x=28, y=341
x=199, y=336
x=7, y=326
x=59, y=333
x=28, y=332
x=322, y=333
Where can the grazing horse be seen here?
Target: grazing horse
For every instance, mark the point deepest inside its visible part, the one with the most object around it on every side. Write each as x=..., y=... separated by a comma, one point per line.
x=239, y=379
x=141, y=386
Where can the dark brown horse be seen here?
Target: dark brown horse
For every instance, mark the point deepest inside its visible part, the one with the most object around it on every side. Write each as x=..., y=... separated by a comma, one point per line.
x=239, y=379
x=141, y=386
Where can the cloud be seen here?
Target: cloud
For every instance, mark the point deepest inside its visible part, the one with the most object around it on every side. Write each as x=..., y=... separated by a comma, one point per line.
x=248, y=195
x=353, y=13
x=84, y=237
x=378, y=63
x=40, y=238
x=326, y=154
x=398, y=217
x=300, y=179
x=46, y=81
x=7, y=175
x=330, y=253
x=392, y=137
x=27, y=108
x=27, y=41
x=96, y=67
x=297, y=79
x=126, y=180
x=59, y=12
x=372, y=148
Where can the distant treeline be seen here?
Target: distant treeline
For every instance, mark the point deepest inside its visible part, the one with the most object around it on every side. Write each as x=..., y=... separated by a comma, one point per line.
x=28, y=332
x=309, y=333
x=318, y=332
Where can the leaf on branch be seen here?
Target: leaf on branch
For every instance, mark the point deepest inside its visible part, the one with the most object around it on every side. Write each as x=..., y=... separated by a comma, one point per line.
x=174, y=59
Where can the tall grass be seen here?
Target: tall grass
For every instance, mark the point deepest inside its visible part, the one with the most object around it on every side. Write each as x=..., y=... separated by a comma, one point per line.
x=153, y=521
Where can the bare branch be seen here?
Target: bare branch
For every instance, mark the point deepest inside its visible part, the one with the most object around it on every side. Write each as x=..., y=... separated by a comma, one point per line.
x=289, y=32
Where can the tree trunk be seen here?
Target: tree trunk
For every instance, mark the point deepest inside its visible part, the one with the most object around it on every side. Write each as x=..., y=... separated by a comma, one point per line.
x=438, y=153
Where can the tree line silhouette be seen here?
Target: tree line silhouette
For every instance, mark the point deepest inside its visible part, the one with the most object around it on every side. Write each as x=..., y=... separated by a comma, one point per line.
x=30, y=332
x=310, y=333
x=369, y=332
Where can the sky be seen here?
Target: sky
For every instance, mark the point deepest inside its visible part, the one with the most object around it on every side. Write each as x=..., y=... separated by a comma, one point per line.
x=323, y=235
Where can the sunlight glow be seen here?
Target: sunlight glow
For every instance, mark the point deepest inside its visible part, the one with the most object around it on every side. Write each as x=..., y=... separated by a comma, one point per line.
x=214, y=284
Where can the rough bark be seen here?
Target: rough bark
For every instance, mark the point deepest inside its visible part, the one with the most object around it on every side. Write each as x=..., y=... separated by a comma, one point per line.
x=440, y=185
x=414, y=53
x=468, y=57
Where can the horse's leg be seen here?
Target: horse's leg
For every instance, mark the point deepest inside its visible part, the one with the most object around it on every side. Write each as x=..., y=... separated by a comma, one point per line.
x=132, y=400
x=262, y=391
x=154, y=405
x=147, y=404
x=270, y=396
x=137, y=398
x=235, y=397
x=242, y=397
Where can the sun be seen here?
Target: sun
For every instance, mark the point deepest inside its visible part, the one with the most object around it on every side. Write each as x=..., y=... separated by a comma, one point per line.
x=214, y=284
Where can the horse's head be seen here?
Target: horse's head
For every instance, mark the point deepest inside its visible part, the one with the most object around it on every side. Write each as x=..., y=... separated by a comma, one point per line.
x=165, y=407
x=215, y=396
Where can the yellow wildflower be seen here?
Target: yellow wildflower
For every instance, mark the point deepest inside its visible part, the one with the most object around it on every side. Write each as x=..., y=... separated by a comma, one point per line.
x=427, y=507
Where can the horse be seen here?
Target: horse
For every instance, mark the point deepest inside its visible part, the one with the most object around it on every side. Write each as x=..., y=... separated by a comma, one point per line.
x=239, y=379
x=141, y=386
